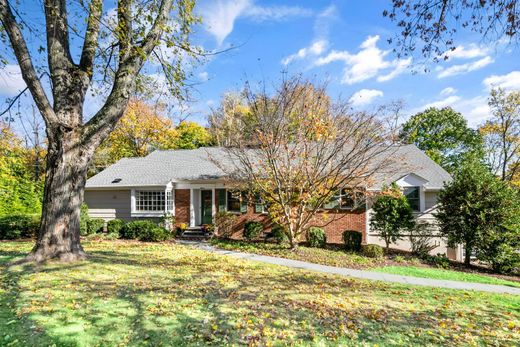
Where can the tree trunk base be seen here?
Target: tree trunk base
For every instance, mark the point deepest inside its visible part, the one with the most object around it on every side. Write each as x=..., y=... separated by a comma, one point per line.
x=41, y=255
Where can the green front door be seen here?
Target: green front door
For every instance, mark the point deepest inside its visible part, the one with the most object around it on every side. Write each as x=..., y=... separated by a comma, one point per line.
x=205, y=206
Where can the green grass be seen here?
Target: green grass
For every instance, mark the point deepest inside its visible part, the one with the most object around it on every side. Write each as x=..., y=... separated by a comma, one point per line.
x=138, y=294
x=329, y=257
x=443, y=274
x=336, y=257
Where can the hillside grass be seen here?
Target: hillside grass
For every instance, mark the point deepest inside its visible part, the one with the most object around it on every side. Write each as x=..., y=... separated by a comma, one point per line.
x=138, y=294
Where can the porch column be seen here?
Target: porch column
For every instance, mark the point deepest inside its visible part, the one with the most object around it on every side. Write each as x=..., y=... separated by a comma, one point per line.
x=192, y=209
x=213, y=206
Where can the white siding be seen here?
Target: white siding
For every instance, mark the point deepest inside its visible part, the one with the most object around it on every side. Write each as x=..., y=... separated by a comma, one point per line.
x=108, y=204
x=430, y=202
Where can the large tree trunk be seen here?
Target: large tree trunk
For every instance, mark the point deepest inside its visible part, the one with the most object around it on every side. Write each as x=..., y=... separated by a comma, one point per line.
x=67, y=163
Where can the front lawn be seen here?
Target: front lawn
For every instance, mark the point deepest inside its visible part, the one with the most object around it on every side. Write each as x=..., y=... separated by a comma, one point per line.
x=393, y=264
x=323, y=256
x=138, y=294
x=443, y=274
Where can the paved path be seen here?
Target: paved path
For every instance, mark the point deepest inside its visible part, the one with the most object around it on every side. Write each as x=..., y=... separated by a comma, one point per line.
x=367, y=275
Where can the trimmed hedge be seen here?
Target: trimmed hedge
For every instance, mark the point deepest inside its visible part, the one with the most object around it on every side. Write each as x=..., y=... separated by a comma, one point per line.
x=19, y=226
x=352, y=240
x=156, y=234
x=372, y=251
x=114, y=226
x=144, y=230
x=252, y=230
x=316, y=237
x=95, y=225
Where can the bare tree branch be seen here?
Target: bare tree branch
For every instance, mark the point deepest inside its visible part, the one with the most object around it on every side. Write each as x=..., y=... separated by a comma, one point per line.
x=24, y=60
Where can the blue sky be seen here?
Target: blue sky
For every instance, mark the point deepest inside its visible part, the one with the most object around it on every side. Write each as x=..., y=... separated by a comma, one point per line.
x=341, y=42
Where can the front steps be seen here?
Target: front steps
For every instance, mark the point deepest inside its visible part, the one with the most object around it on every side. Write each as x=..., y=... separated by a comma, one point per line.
x=194, y=233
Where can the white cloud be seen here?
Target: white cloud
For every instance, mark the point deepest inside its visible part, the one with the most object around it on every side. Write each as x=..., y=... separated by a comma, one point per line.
x=400, y=67
x=448, y=91
x=315, y=49
x=449, y=101
x=203, y=76
x=508, y=81
x=365, y=97
x=275, y=13
x=473, y=51
x=320, y=42
x=220, y=15
x=368, y=63
x=475, y=109
x=11, y=81
x=465, y=68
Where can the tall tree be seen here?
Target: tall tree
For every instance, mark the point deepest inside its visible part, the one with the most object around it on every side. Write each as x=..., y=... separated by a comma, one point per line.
x=502, y=134
x=138, y=132
x=112, y=50
x=443, y=134
x=479, y=211
x=192, y=135
x=431, y=26
x=303, y=150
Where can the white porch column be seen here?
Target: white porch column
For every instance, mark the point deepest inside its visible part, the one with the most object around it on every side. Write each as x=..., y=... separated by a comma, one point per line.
x=192, y=209
x=213, y=206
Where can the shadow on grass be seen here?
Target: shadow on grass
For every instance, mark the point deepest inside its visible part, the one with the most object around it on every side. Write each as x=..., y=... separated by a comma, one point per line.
x=121, y=298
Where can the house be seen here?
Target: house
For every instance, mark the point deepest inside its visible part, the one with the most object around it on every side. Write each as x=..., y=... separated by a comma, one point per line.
x=189, y=185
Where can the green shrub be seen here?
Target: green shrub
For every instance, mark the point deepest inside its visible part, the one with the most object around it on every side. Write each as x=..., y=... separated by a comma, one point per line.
x=279, y=235
x=316, y=237
x=83, y=219
x=155, y=234
x=252, y=229
x=372, y=251
x=95, y=225
x=19, y=226
x=439, y=260
x=135, y=229
x=352, y=240
x=114, y=226
x=224, y=223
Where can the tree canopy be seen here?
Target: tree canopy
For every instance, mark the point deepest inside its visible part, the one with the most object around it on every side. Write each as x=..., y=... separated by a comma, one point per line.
x=303, y=150
x=443, y=134
x=392, y=215
x=501, y=135
x=481, y=212
x=19, y=191
x=431, y=27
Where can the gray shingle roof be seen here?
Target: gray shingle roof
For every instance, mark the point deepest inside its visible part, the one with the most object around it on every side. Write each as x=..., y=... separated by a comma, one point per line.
x=161, y=167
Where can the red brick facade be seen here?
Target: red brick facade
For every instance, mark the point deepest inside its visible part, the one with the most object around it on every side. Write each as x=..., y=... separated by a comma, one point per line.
x=333, y=222
x=182, y=206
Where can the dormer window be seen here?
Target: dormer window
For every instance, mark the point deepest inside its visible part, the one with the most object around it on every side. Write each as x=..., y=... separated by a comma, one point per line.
x=414, y=197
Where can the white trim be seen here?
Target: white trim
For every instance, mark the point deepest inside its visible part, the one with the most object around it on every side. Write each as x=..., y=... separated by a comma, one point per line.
x=148, y=214
x=132, y=202
x=192, y=209
x=199, y=185
x=213, y=205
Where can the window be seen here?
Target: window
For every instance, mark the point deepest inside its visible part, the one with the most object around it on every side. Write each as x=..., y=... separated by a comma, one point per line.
x=413, y=196
x=260, y=206
x=343, y=200
x=233, y=201
x=169, y=200
x=149, y=200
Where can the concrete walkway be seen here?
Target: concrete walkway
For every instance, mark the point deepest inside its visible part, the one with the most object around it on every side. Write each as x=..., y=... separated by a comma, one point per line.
x=366, y=275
